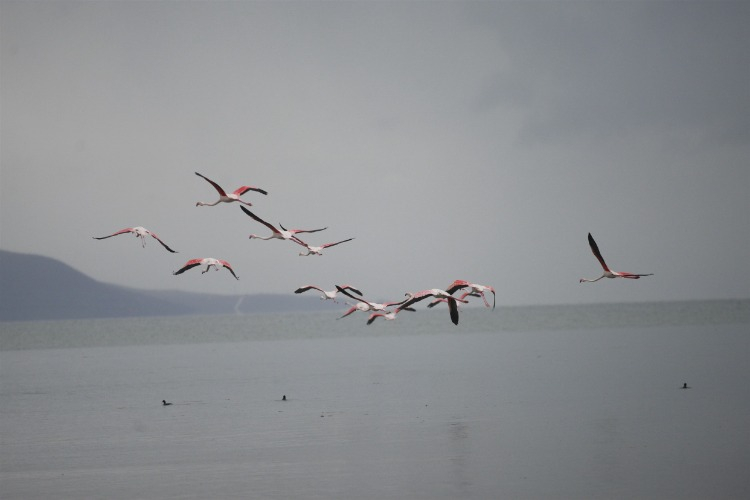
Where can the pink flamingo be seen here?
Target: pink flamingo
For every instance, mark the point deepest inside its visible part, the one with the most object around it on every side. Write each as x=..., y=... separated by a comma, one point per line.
x=438, y=294
x=279, y=234
x=312, y=250
x=475, y=289
x=208, y=262
x=440, y=301
x=365, y=305
x=140, y=232
x=327, y=295
x=228, y=198
x=389, y=316
x=607, y=272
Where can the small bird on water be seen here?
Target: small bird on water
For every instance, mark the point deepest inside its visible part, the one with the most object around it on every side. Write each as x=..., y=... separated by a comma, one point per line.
x=164, y=402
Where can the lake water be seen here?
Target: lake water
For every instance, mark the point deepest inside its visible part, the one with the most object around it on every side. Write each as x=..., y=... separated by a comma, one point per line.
x=535, y=402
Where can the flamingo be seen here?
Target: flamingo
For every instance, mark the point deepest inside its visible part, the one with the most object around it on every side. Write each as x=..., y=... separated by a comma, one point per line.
x=279, y=234
x=326, y=294
x=474, y=288
x=359, y=306
x=463, y=296
x=312, y=250
x=607, y=272
x=389, y=316
x=365, y=305
x=438, y=294
x=140, y=232
x=208, y=262
x=228, y=198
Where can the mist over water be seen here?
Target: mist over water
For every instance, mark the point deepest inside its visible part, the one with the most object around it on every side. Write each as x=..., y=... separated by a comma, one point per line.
x=411, y=408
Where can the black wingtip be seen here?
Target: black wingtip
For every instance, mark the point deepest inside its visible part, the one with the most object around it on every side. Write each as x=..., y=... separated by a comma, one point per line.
x=453, y=307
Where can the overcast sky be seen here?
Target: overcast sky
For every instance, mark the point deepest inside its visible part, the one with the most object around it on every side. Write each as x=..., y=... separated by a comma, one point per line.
x=452, y=140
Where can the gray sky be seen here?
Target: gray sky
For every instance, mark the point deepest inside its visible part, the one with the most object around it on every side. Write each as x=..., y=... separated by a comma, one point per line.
x=456, y=140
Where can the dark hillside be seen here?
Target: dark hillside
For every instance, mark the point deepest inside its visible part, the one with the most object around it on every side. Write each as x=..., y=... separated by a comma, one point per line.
x=36, y=287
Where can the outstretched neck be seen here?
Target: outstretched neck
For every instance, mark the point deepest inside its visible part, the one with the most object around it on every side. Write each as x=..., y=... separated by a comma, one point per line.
x=586, y=280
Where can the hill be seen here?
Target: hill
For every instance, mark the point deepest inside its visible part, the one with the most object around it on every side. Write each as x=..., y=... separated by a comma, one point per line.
x=34, y=287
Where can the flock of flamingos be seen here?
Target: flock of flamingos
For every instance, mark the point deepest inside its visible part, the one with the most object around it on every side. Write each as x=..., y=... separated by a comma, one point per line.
x=377, y=310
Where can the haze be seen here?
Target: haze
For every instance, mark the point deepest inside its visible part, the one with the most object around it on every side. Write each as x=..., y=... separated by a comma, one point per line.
x=452, y=140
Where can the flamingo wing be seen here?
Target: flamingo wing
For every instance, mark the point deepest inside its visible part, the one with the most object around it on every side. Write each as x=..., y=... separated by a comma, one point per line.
x=244, y=189
x=121, y=231
x=597, y=254
x=453, y=308
x=189, y=265
x=295, y=231
x=415, y=298
x=632, y=276
x=389, y=304
x=373, y=316
x=269, y=226
x=343, y=290
x=216, y=186
x=307, y=287
x=438, y=301
x=347, y=313
x=349, y=287
x=299, y=242
x=160, y=241
x=338, y=242
x=226, y=265
x=457, y=285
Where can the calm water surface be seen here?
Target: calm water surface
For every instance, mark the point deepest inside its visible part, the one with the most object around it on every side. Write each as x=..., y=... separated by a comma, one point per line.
x=555, y=402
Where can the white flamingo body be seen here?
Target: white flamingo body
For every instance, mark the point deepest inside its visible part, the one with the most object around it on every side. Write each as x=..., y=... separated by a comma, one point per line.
x=389, y=316
x=608, y=273
x=327, y=295
x=225, y=197
x=313, y=250
x=359, y=306
x=140, y=232
x=208, y=262
x=279, y=234
x=438, y=294
x=365, y=305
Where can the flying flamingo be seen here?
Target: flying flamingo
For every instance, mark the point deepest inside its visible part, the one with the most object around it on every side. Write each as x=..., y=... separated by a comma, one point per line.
x=228, y=198
x=327, y=295
x=279, y=234
x=463, y=296
x=312, y=250
x=365, y=305
x=138, y=231
x=208, y=262
x=438, y=294
x=389, y=316
x=474, y=288
x=607, y=272
x=359, y=306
